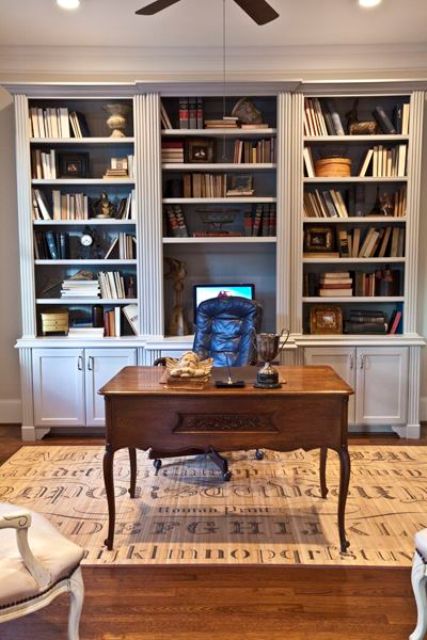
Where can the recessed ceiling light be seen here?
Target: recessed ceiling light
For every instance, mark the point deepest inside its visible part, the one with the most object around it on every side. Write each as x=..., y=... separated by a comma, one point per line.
x=68, y=4
x=367, y=4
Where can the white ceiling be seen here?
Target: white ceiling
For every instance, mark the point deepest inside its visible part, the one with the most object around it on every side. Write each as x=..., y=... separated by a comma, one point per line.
x=198, y=23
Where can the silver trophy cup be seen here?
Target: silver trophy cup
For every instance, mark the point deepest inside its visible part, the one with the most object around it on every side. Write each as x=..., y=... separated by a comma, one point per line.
x=268, y=348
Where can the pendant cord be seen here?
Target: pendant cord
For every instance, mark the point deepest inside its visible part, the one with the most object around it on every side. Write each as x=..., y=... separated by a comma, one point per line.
x=224, y=79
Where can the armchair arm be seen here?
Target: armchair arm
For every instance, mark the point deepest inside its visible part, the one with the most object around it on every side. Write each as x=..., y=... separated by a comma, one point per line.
x=21, y=521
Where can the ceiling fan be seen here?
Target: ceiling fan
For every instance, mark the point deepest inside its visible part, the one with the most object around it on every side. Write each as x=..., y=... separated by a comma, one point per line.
x=258, y=10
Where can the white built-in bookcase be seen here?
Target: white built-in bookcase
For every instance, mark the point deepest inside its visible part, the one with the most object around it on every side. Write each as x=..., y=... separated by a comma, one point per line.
x=273, y=262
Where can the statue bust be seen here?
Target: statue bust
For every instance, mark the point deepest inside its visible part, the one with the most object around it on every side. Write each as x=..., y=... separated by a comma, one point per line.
x=103, y=208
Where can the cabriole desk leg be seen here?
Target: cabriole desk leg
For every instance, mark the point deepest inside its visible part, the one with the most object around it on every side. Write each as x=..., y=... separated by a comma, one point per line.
x=342, y=498
x=109, y=489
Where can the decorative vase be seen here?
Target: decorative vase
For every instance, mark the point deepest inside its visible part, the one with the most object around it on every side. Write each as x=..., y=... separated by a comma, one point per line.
x=116, y=121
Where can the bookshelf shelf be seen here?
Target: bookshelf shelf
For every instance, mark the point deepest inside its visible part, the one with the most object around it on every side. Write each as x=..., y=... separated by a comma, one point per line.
x=383, y=260
x=219, y=166
x=219, y=133
x=97, y=222
x=89, y=301
x=69, y=142
x=83, y=181
x=80, y=261
x=352, y=299
x=354, y=179
x=355, y=220
x=356, y=139
x=229, y=200
x=221, y=240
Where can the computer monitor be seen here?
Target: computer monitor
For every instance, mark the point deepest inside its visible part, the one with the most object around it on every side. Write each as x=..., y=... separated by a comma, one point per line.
x=202, y=292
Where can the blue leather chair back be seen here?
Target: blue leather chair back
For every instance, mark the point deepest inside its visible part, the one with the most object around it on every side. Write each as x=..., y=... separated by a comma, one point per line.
x=225, y=330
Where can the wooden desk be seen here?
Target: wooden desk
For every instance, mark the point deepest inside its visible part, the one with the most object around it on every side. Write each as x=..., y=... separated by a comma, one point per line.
x=308, y=412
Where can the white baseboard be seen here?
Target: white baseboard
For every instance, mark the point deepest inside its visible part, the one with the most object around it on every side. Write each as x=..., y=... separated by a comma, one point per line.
x=10, y=412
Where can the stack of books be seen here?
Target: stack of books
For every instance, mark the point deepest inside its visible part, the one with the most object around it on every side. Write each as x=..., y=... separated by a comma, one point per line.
x=86, y=332
x=366, y=321
x=120, y=168
x=72, y=288
x=336, y=284
x=226, y=122
x=172, y=151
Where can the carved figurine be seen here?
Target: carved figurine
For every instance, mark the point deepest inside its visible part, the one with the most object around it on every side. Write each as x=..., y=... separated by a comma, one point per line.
x=189, y=366
x=177, y=271
x=246, y=111
x=103, y=208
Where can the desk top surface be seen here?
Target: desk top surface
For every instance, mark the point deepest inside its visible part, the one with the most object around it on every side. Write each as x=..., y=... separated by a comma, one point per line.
x=146, y=381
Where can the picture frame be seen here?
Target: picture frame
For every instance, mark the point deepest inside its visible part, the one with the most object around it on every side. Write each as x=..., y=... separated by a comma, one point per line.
x=200, y=150
x=240, y=184
x=73, y=165
x=326, y=319
x=319, y=239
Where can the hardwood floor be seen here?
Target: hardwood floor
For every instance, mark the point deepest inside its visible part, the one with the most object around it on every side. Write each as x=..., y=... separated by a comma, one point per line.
x=227, y=603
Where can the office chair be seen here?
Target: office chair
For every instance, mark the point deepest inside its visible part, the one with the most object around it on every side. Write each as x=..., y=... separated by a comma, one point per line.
x=225, y=330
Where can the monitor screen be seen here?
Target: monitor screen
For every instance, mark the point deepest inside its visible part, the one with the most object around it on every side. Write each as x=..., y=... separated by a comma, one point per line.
x=202, y=292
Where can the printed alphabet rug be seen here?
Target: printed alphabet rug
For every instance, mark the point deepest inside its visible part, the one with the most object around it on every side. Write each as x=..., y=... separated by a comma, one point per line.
x=270, y=512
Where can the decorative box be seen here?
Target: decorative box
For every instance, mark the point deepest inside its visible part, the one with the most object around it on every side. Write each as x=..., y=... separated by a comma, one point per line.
x=54, y=322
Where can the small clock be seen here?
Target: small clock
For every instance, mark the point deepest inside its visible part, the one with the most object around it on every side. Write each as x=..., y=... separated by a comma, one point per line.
x=86, y=240
x=86, y=244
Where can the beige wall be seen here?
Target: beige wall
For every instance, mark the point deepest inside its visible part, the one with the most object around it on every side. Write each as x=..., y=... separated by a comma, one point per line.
x=10, y=323
x=67, y=65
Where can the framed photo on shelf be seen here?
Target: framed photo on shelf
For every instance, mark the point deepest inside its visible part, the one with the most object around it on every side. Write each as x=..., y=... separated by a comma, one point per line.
x=200, y=150
x=326, y=319
x=240, y=184
x=73, y=165
x=319, y=239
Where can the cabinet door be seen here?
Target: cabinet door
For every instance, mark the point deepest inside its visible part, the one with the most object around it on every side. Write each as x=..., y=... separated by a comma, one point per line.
x=58, y=379
x=382, y=385
x=101, y=365
x=342, y=359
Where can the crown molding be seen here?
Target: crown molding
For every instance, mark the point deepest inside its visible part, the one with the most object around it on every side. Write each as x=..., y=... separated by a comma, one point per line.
x=173, y=63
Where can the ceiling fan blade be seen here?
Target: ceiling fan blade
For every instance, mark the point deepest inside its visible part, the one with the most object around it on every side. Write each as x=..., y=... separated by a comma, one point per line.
x=258, y=10
x=155, y=7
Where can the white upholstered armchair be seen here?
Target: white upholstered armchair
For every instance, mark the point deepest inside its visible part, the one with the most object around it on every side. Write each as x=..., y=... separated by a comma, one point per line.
x=37, y=564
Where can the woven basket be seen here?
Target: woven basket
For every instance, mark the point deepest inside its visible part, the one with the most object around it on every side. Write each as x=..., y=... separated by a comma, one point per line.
x=333, y=167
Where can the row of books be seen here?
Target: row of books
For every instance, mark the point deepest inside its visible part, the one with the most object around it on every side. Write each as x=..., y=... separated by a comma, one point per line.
x=124, y=246
x=112, y=285
x=382, y=162
x=322, y=118
x=343, y=284
x=57, y=123
x=175, y=221
x=43, y=164
x=331, y=204
x=109, y=324
x=216, y=185
x=261, y=221
x=372, y=242
x=74, y=206
x=249, y=152
x=190, y=114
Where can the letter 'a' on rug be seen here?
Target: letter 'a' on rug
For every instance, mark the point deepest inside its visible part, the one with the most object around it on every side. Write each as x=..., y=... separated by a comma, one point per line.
x=269, y=513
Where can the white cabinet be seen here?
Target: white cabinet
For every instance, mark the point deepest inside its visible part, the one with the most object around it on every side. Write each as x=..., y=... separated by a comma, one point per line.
x=378, y=375
x=66, y=383
x=58, y=383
